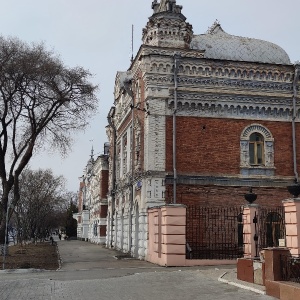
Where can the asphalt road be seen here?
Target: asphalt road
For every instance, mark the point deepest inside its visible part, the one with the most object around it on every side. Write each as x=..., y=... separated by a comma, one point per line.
x=93, y=272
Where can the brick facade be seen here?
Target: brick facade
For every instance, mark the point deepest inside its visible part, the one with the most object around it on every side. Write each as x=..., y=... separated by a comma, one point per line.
x=212, y=146
x=217, y=102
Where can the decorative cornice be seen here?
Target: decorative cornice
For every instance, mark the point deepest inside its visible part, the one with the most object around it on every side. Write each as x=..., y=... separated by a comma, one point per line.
x=235, y=83
x=231, y=99
x=190, y=67
x=233, y=107
x=164, y=51
x=231, y=181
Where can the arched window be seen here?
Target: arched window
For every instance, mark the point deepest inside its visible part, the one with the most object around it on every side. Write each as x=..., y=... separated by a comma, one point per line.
x=257, y=151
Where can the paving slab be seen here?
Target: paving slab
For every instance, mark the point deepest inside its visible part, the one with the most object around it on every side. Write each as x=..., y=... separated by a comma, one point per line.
x=90, y=271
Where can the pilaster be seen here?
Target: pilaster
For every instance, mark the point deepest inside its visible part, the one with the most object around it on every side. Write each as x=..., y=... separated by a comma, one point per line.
x=249, y=214
x=292, y=223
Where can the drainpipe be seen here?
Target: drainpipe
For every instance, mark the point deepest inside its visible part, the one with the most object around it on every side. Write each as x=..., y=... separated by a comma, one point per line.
x=176, y=56
x=296, y=77
x=112, y=125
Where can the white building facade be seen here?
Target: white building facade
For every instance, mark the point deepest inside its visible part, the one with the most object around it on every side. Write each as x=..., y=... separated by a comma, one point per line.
x=92, y=200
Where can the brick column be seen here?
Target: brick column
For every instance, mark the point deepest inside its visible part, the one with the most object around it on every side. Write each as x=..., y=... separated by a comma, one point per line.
x=249, y=230
x=292, y=223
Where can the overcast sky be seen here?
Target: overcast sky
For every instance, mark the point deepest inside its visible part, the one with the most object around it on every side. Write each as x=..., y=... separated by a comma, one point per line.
x=96, y=34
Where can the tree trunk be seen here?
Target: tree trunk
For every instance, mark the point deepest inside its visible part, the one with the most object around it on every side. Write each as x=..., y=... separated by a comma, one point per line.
x=6, y=186
x=3, y=220
x=2, y=236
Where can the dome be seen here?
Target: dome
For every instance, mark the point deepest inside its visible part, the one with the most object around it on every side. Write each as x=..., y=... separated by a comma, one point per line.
x=220, y=45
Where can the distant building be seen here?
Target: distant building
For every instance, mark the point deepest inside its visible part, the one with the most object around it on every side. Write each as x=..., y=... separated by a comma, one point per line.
x=92, y=200
x=198, y=119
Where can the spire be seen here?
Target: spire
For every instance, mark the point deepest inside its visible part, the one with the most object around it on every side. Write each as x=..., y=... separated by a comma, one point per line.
x=92, y=154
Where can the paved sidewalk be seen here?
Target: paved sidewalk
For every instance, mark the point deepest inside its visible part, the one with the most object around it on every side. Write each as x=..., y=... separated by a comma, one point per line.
x=78, y=255
x=91, y=272
x=95, y=257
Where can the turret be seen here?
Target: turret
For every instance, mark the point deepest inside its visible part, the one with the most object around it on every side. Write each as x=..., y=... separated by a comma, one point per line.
x=167, y=27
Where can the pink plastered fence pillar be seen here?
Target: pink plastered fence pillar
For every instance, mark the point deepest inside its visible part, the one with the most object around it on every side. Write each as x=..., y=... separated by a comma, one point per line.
x=167, y=241
x=292, y=223
x=250, y=210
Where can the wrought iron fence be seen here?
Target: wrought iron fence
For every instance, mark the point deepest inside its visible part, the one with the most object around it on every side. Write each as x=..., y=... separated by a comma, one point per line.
x=214, y=232
x=290, y=268
x=270, y=227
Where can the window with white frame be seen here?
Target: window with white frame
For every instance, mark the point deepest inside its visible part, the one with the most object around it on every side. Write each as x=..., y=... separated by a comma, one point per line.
x=257, y=151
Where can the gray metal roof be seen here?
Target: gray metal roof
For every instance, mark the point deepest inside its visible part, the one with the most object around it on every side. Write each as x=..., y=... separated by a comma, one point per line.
x=220, y=45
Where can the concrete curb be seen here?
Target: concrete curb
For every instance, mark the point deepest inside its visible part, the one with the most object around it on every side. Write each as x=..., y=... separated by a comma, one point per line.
x=249, y=288
x=23, y=271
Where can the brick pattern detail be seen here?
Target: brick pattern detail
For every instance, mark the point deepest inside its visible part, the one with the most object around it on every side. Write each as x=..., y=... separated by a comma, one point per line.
x=103, y=211
x=227, y=195
x=104, y=184
x=102, y=230
x=212, y=146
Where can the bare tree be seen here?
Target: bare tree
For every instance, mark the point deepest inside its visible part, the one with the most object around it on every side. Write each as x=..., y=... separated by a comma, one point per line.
x=42, y=102
x=43, y=198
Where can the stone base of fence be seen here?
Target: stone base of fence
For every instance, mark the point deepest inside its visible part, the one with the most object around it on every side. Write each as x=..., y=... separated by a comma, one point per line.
x=251, y=270
x=275, y=287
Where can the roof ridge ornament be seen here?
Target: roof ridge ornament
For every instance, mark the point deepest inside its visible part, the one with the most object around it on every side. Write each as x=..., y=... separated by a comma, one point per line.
x=215, y=28
x=166, y=6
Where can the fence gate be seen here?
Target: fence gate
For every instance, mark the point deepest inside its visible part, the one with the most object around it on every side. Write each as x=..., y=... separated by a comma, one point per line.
x=214, y=232
x=270, y=226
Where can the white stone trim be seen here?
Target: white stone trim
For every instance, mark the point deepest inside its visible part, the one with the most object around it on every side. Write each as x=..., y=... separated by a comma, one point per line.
x=268, y=167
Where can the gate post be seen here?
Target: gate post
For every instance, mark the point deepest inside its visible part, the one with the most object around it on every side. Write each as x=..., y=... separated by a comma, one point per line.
x=292, y=223
x=249, y=232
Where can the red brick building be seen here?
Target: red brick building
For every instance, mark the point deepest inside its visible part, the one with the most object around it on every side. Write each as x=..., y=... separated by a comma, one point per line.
x=199, y=119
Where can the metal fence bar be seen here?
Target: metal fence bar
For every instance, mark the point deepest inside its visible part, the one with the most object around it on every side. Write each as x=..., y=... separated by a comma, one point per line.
x=271, y=226
x=213, y=232
x=290, y=268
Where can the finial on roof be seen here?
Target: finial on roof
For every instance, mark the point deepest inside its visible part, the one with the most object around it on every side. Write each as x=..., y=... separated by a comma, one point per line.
x=215, y=27
x=92, y=153
x=166, y=6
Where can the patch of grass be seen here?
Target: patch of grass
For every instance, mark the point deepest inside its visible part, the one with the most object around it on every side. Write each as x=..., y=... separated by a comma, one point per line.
x=39, y=256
